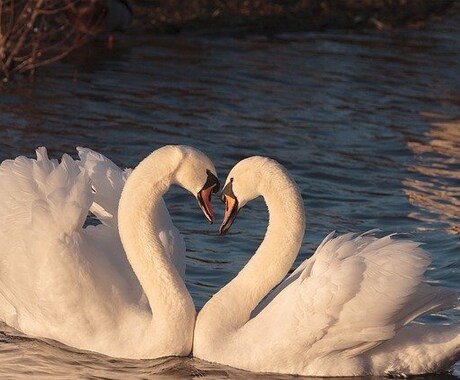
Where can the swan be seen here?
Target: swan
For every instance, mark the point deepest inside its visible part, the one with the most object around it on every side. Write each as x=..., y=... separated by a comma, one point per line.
x=346, y=311
x=94, y=288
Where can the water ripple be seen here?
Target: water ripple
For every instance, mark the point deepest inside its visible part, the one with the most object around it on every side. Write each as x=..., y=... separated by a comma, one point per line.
x=367, y=123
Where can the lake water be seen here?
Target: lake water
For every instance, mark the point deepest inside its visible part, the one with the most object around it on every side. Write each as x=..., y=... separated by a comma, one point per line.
x=368, y=123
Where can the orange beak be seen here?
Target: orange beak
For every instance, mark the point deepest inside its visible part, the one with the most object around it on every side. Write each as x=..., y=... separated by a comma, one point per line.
x=204, y=201
x=231, y=211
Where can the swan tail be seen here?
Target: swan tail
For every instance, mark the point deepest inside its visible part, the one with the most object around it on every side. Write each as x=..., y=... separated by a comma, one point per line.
x=107, y=181
x=427, y=299
x=417, y=349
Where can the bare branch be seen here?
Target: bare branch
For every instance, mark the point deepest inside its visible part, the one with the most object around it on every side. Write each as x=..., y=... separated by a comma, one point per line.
x=34, y=33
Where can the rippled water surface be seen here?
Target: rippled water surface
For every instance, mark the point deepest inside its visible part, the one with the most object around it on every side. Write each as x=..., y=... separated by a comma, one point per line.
x=367, y=123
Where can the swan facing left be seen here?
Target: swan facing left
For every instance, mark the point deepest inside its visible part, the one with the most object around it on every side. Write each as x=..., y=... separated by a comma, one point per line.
x=345, y=311
x=115, y=288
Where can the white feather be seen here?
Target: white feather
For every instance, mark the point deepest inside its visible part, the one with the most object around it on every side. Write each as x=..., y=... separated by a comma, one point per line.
x=345, y=311
x=64, y=281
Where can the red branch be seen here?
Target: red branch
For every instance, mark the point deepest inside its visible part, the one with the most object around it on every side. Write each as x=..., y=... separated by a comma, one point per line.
x=34, y=33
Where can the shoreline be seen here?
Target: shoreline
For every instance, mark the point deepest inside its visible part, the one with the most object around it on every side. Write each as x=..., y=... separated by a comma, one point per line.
x=273, y=16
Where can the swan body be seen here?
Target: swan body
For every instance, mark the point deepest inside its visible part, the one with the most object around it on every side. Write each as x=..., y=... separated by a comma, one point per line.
x=116, y=287
x=345, y=311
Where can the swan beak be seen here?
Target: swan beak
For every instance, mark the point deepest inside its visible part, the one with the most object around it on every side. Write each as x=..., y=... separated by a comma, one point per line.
x=204, y=201
x=231, y=211
x=211, y=186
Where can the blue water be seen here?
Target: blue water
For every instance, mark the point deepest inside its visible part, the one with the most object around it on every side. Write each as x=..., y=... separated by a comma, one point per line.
x=368, y=123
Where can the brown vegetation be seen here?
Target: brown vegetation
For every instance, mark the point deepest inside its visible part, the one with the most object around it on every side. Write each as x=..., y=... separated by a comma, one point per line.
x=34, y=33
x=281, y=15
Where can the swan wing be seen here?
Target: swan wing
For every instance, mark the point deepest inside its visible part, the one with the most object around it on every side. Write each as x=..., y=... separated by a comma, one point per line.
x=107, y=181
x=55, y=275
x=354, y=293
x=43, y=205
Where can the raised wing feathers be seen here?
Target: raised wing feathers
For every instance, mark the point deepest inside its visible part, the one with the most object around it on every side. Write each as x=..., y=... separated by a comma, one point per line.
x=37, y=194
x=43, y=205
x=352, y=294
x=107, y=181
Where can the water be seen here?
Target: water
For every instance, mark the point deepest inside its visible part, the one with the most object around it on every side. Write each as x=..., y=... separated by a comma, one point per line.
x=367, y=123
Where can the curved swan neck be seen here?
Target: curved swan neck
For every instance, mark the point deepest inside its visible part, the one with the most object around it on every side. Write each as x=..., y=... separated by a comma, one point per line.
x=273, y=259
x=139, y=232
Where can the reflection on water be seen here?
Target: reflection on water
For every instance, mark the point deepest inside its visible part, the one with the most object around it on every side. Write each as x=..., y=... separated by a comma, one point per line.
x=367, y=123
x=24, y=357
x=436, y=188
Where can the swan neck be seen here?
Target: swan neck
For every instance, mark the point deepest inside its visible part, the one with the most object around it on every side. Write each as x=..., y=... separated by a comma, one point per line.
x=272, y=260
x=140, y=228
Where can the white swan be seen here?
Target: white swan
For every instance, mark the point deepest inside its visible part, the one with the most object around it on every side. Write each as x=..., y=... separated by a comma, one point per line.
x=343, y=312
x=77, y=285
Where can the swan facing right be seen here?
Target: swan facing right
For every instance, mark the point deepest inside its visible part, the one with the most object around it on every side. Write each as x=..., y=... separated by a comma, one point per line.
x=345, y=311
x=117, y=287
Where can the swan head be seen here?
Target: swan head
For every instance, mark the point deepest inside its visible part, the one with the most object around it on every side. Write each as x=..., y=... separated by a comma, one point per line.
x=197, y=174
x=243, y=185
